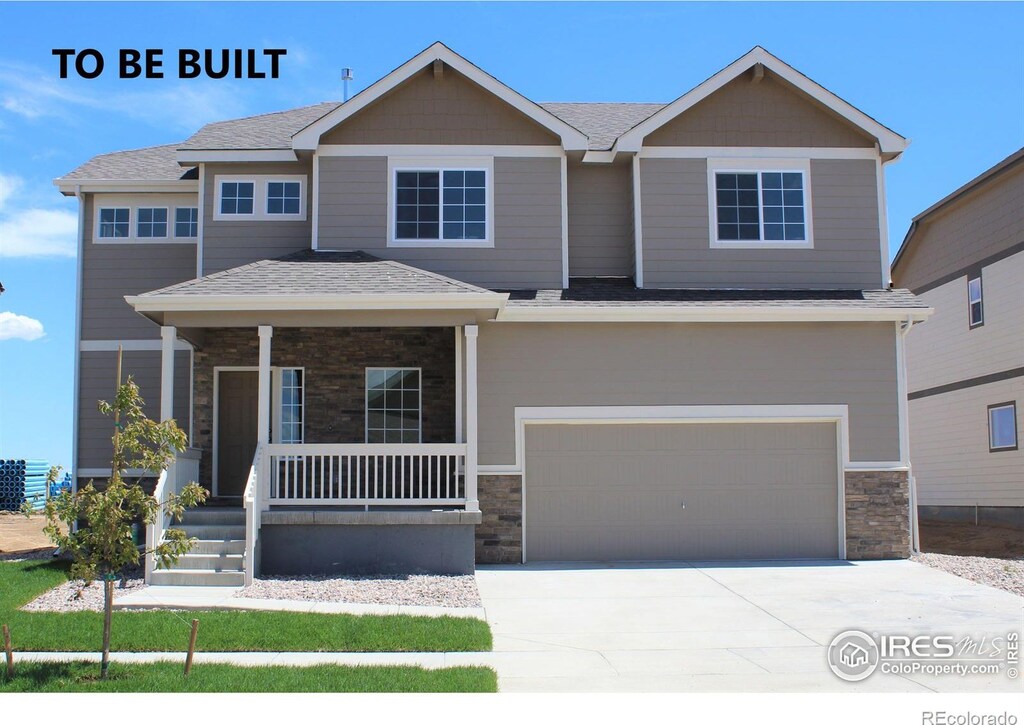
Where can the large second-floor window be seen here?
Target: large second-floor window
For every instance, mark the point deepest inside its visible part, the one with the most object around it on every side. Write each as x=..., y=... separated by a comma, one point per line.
x=759, y=207
x=114, y=223
x=440, y=205
x=975, y=302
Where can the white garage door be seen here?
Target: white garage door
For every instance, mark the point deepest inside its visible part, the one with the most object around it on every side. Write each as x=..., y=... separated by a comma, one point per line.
x=620, y=492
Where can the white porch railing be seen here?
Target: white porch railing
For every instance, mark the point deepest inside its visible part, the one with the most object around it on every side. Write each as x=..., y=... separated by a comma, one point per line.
x=253, y=515
x=407, y=474
x=182, y=470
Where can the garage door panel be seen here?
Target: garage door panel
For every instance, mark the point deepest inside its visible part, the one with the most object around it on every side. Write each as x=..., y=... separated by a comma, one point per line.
x=689, y=491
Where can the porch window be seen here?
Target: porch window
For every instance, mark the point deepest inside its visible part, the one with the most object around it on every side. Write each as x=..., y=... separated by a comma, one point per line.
x=292, y=412
x=393, y=405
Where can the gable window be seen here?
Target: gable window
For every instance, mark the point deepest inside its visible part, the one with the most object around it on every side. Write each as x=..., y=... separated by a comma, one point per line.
x=393, y=412
x=236, y=197
x=151, y=223
x=283, y=197
x=975, y=303
x=186, y=222
x=1002, y=427
x=114, y=223
x=753, y=207
x=440, y=204
x=290, y=429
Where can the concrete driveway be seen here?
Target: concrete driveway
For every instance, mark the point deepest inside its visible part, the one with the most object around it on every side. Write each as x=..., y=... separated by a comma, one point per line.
x=751, y=627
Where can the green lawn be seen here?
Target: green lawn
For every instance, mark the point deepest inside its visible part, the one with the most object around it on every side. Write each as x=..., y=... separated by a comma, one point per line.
x=168, y=677
x=235, y=631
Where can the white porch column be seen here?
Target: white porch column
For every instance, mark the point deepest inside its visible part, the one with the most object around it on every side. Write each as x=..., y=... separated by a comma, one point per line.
x=472, y=498
x=266, y=332
x=168, y=336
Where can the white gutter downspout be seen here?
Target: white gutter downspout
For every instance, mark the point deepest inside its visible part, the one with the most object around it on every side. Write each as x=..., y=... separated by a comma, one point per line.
x=73, y=467
x=904, y=414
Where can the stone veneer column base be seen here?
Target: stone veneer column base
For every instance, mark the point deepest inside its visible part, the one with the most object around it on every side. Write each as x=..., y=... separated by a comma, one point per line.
x=499, y=536
x=877, y=515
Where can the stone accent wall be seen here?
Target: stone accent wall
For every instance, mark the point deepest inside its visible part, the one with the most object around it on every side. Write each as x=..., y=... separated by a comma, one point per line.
x=335, y=362
x=499, y=537
x=877, y=515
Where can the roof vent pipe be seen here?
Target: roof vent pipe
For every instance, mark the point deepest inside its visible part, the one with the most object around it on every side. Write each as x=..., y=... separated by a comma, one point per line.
x=346, y=76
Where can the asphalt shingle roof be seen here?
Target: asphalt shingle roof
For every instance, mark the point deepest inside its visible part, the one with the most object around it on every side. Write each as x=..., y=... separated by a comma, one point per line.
x=267, y=131
x=603, y=123
x=584, y=293
x=155, y=163
x=321, y=273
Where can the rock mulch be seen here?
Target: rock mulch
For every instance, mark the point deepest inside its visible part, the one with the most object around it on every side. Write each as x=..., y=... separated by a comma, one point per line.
x=414, y=590
x=1006, y=574
x=77, y=596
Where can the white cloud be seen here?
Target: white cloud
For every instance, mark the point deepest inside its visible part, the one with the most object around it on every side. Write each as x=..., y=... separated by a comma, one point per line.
x=8, y=186
x=19, y=327
x=39, y=233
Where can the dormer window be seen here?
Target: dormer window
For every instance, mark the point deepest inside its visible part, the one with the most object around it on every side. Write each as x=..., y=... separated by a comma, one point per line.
x=440, y=204
x=759, y=205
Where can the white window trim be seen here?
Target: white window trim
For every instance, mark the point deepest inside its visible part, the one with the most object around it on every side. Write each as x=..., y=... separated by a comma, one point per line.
x=260, y=184
x=1011, y=405
x=167, y=233
x=174, y=222
x=426, y=163
x=366, y=397
x=980, y=301
x=756, y=166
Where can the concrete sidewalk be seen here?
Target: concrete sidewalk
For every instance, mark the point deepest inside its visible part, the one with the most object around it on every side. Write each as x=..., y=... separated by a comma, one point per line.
x=207, y=598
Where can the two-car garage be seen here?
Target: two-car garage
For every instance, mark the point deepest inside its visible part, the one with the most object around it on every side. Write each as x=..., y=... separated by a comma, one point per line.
x=614, y=490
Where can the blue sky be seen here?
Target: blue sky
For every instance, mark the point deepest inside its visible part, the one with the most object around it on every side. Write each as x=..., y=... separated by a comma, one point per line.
x=949, y=76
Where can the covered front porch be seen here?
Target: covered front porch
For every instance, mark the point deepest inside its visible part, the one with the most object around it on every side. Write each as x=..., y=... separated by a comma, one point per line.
x=346, y=432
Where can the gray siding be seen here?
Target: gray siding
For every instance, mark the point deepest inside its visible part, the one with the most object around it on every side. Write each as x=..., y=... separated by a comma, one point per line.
x=111, y=271
x=600, y=219
x=676, y=232
x=560, y=364
x=527, y=250
x=229, y=244
x=97, y=381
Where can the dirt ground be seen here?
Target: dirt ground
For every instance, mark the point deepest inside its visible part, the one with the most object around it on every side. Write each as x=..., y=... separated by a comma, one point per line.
x=19, y=535
x=970, y=540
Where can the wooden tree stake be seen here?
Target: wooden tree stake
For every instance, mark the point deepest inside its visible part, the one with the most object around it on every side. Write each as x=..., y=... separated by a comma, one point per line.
x=8, y=651
x=191, y=646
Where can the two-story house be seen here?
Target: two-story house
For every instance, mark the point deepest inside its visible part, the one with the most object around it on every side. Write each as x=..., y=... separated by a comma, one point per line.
x=964, y=256
x=441, y=324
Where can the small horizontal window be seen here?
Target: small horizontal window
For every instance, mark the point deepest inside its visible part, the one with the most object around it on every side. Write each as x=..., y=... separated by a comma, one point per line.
x=186, y=222
x=975, y=302
x=1002, y=427
x=236, y=197
x=115, y=223
x=283, y=197
x=151, y=223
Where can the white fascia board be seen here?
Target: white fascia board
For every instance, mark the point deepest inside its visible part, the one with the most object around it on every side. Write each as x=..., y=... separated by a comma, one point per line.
x=889, y=141
x=439, y=150
x=262, y=303
x=308, y=138
x=195, y=156
x=759, y=152
x=710, y=314
x=70, y=186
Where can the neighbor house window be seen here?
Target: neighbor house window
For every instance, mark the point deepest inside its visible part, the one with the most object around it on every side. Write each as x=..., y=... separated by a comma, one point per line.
x=114, y=223
x=236, y=197
x=1002, y=427
x=151, y=223
x=283, y=197
x=291, y=406
x=759, y=208
x=975, y=304
x=186, y=222
x=393, y=405
x=440, y=205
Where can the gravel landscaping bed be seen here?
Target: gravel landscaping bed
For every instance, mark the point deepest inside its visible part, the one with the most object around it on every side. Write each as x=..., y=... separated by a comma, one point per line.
x=416, y=590
x=1007, y=574
x=77, y=596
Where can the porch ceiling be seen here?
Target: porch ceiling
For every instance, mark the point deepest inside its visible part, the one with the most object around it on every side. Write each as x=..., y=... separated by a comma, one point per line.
x=319, y=288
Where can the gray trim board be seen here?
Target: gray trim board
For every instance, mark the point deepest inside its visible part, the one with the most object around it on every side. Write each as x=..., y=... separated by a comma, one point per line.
x=968, y=383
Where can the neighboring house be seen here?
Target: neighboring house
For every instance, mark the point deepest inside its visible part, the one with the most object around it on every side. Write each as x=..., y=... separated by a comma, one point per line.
x=442, y=324
x=964, y=256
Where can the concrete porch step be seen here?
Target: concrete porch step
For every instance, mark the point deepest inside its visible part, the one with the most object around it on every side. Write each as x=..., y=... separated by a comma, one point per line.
x=218, y=547
x=213, y=531
x=218, y=515
x=198, y=577
x=210, y=562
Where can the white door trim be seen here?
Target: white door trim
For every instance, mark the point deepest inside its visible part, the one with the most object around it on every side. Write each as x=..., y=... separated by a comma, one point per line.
x=682, y=414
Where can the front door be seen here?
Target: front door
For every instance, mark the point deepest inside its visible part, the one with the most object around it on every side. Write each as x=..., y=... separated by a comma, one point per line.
x=237, y=405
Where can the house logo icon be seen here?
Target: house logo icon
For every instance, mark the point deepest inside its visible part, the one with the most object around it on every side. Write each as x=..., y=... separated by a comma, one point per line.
x=853, y=655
